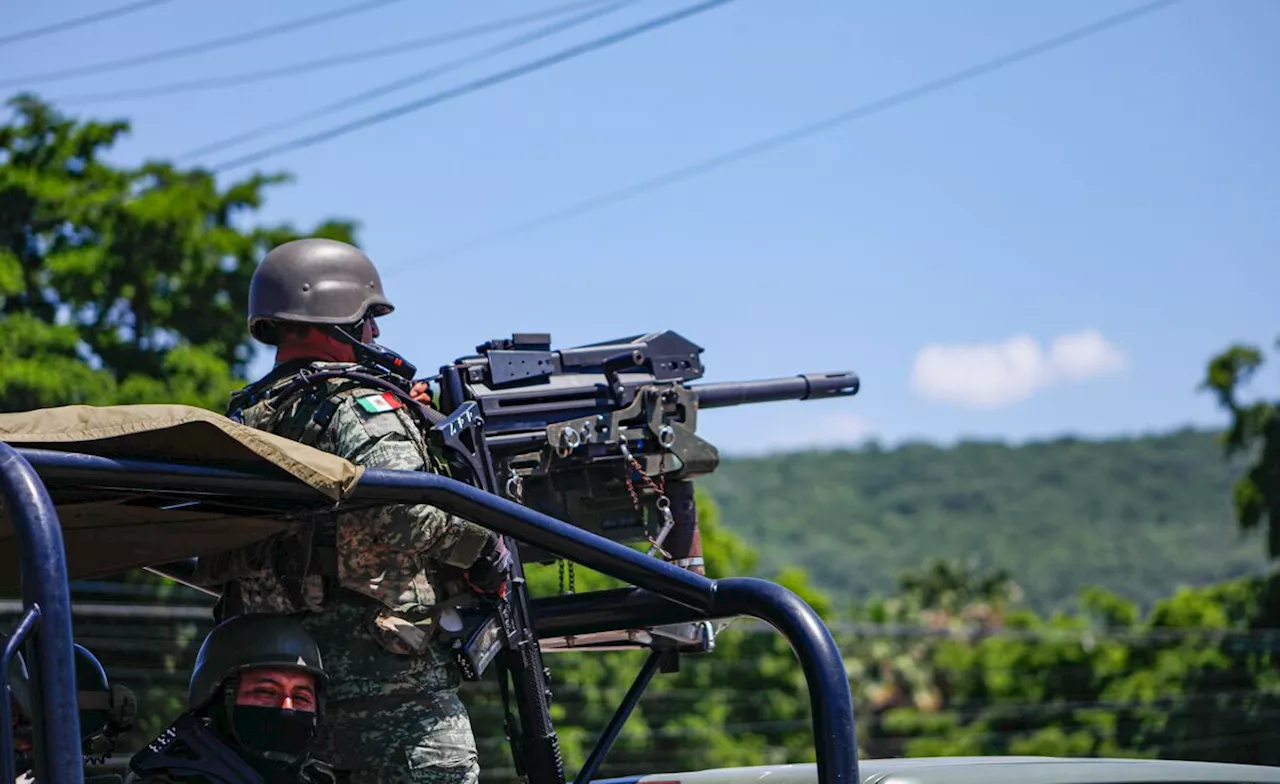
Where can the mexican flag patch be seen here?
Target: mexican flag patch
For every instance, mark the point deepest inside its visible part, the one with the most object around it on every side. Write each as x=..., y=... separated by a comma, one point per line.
x=376, y=404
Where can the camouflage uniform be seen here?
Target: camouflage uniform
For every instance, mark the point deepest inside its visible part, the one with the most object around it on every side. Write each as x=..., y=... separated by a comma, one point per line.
x=366, y=584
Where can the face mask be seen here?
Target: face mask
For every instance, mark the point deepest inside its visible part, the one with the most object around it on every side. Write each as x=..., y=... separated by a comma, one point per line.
x=272, y=729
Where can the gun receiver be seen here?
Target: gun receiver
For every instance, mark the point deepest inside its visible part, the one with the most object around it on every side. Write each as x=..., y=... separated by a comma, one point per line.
x=592, y=434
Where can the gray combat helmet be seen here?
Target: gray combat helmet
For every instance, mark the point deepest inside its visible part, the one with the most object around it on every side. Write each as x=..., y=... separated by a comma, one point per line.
x=254, y=640
x=314, y=281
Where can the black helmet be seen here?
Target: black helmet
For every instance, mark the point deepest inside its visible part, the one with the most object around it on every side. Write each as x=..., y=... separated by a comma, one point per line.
x=93, y=691
x=106, y=709
x=268, y=735
x=314, y=281
x=254, y=640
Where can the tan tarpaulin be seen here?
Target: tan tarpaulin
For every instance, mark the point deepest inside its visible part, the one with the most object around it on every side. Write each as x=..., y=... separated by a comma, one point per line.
x=106, y=537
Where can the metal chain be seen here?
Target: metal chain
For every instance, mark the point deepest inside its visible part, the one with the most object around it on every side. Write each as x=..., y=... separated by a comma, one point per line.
x=659, y=487
x=572, y=577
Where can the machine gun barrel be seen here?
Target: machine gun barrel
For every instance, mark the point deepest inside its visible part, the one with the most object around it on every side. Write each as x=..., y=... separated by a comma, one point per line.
x=805, y=386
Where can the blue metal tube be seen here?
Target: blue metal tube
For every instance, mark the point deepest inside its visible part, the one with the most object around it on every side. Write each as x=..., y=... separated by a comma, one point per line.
x=830, y=699
x=50, y=655
x=471, y=503
x=532, y=527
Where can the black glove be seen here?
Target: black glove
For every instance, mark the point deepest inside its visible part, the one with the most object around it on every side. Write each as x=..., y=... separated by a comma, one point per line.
x=492, y=569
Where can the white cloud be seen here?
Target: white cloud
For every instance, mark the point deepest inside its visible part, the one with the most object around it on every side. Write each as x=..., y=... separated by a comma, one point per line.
x=991, y=375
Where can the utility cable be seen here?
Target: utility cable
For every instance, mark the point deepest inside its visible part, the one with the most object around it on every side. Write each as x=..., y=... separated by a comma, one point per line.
x=307, y=66
x=804, y=131
x=79, y=21
x=399, y=84
x=470, y=87
x=203, y=46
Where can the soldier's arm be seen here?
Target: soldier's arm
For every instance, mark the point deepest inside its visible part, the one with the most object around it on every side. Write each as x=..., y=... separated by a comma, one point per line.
x=381, y=439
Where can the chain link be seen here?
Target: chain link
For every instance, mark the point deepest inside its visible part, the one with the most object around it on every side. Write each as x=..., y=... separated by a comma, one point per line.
x=659, y=487
x=572, y=577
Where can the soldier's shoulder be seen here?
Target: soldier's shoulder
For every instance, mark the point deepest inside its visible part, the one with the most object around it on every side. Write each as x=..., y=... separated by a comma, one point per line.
x=301, y=388
x=353, y=389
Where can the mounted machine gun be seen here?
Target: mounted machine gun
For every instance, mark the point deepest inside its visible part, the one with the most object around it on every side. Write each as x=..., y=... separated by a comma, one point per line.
x=603, y=436
x=590, y=434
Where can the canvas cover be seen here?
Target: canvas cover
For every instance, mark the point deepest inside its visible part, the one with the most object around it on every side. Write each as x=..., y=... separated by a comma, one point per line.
x=105, y=535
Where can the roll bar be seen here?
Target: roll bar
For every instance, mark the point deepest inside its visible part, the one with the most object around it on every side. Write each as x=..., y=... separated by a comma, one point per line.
x=44, y=628
x=662, y=594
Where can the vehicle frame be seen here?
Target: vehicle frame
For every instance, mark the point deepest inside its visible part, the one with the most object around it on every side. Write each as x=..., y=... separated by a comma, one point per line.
x=41, y=484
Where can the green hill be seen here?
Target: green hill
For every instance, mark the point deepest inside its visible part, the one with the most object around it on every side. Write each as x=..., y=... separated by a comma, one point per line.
x=1138, y=516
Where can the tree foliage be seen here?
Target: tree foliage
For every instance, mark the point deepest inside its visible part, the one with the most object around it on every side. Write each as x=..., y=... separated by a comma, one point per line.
x=1254, y=431
x=1139, y=516
x=1194, y=679
x=121, y=284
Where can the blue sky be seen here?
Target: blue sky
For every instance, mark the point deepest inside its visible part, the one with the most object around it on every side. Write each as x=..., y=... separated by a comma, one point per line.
x=1054, y=248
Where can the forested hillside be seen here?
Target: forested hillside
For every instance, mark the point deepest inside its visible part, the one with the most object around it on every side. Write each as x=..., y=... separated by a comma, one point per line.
x=1137, y=516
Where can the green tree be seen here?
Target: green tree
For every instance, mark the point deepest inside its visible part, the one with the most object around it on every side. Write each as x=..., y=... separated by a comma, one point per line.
x=892, y=648
x=1254, y=431
x=121, y=284
x=855, y=519
x=1194, y=679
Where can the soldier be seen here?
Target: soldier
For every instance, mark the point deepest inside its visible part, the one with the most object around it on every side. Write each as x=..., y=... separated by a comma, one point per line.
x=18, y=692
x=106, y=711
x=254, y=703
x=366, y=584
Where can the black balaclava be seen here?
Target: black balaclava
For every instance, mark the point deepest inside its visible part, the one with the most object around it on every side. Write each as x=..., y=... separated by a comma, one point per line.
x=275, y=740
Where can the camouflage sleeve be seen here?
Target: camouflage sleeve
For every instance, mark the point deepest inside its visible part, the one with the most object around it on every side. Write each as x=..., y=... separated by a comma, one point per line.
x=385, y=439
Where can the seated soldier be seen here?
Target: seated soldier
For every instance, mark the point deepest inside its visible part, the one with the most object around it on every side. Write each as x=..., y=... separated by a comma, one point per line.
x=253, y=707
x=18, y=692
x=106, y=712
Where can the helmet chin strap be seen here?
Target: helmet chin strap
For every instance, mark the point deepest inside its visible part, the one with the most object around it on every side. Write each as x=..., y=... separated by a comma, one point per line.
x=379, y=356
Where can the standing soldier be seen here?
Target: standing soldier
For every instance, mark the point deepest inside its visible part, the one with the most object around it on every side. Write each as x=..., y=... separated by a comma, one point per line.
x=366, y=583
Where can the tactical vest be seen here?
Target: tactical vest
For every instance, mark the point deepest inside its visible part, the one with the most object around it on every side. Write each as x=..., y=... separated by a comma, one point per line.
x=298, y=571
x=190, y=751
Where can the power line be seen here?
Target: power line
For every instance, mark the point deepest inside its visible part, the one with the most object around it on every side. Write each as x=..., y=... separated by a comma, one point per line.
x=308, y=66
x=399, y=84
x=80, y=21
x=802, y=132
x=204, y=46
x=470, y=87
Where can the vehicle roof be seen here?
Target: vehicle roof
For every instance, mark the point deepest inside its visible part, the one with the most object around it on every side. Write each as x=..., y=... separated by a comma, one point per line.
x=987, y=770
x=148, y=525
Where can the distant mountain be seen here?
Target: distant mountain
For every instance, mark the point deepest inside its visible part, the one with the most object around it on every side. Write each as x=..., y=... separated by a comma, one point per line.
x=1138, y=516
